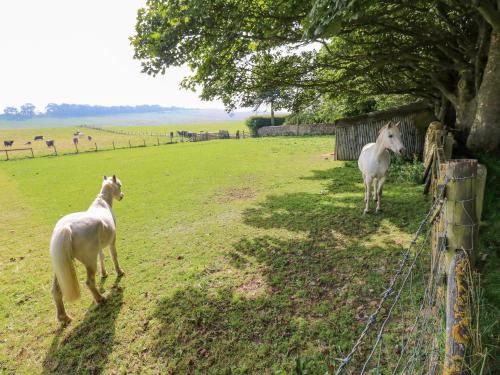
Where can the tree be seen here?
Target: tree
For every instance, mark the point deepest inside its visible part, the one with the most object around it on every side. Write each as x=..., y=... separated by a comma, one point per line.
x=451, y=46
x=27, y=111
x=10, y=112
x=442, y=51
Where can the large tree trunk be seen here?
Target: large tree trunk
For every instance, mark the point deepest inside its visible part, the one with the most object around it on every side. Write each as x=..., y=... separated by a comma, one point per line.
x=466, y=104
x=485, y=131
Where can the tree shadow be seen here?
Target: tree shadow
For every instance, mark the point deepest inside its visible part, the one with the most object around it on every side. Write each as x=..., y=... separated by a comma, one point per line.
x=319, y=285
x=86, y=349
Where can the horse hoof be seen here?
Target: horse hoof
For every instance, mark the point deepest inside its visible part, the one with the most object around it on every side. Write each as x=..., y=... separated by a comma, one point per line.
x=104, y=275
x=64, y=320
x=120, y=273
x=365, y=212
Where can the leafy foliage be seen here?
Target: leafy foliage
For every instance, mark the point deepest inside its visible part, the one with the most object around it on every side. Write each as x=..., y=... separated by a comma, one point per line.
x=347, y=50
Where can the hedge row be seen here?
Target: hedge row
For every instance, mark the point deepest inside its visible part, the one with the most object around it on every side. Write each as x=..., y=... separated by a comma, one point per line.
x=254, y=123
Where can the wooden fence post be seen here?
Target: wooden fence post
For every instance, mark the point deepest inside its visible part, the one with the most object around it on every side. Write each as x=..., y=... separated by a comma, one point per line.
x=32, y=153
x=144, y=141
x=129, y=144
x=158, y=141
x=114, y=148
x=480, y=187
x=462, y=236
x=96, y=149
x=7, y=154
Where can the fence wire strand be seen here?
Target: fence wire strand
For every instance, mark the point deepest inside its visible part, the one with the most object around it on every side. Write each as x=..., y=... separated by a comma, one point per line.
x=395, y=289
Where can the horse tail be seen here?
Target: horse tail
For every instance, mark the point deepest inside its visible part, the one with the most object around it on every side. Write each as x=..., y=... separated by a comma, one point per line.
x=64, y=268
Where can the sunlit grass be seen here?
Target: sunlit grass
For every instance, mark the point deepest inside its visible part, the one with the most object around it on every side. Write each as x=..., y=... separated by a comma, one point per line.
x=240, y=256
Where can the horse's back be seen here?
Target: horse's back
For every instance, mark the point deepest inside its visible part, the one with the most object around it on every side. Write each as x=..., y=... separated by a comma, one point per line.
x=88, y=227
x=369, y=165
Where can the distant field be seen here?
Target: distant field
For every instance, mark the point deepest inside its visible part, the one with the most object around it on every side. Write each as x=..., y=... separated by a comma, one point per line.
x=63, y=137
x=146, y=119
x=240, y=257
x=232, y=126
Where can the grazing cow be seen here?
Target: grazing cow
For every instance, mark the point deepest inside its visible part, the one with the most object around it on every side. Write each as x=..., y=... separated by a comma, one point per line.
x=89, y=138
x=75, y=140
x=8, y=143
x=38, y=138
x=50, y=143
x=27, y=143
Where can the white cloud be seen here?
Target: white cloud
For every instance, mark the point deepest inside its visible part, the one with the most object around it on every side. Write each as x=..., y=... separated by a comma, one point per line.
x=79, y=52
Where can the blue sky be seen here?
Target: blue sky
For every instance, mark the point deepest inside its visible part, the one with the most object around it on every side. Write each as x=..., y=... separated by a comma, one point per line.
x=79, y=52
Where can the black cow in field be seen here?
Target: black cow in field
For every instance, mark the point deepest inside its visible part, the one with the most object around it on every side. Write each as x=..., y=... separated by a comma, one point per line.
x=89, y=138
x=38, y=138
x=50, y=143
x=8, y=143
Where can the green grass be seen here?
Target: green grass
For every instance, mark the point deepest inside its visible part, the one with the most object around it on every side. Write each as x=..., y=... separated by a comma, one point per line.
x=488, y=264
x=244, y=256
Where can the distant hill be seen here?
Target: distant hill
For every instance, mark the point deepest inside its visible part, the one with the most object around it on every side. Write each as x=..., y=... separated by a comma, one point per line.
x=120, y=115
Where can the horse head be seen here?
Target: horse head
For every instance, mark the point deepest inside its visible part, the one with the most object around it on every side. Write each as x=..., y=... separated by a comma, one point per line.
x=391, y=138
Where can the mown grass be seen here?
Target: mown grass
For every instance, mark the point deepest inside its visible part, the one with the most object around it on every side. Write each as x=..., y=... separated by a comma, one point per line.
x=63, y=137
x=240, y=257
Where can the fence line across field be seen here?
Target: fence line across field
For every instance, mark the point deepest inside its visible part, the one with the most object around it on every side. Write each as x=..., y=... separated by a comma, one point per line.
x=196, y=137
x=6, y=151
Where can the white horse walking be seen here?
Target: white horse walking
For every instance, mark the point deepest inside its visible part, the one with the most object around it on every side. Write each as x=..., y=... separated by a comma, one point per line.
x=83, y=235
x=374, y=161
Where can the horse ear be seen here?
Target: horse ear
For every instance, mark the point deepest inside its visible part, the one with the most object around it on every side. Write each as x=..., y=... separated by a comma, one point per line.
x=397, y=124
x=389, y=124
x=105, y=178
x=114, y=178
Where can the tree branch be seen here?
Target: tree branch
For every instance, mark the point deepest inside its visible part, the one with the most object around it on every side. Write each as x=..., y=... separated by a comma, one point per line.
x=490, y=14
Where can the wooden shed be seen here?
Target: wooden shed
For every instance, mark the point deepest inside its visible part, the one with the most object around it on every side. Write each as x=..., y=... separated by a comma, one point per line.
x=352, y=133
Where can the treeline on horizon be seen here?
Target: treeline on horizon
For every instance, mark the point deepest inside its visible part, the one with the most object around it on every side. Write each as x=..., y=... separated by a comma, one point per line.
x=28, y=110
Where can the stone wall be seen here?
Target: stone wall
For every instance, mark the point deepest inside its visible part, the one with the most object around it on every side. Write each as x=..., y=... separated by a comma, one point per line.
x=316, y=129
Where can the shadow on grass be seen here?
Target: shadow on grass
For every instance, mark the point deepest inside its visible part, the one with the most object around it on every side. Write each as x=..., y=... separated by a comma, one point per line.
x=318, y=287
x=86, y=349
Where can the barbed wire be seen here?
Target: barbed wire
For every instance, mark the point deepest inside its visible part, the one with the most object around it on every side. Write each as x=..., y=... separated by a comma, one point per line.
x=390, y=289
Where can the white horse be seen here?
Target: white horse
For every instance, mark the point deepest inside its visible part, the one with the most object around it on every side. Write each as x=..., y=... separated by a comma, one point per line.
x=374, y=161
x=83, y=235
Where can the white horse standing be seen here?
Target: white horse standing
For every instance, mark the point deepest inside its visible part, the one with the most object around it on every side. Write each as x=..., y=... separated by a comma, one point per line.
x=83, y=235
x=374, y=161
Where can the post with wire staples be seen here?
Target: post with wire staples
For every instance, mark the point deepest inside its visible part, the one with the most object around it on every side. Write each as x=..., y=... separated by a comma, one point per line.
x=461, y=231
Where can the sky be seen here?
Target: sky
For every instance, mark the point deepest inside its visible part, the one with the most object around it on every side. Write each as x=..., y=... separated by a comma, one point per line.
x=68, y=51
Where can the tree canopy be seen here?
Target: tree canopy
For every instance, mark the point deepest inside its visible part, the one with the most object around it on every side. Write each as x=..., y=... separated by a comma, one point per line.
x=444, y=52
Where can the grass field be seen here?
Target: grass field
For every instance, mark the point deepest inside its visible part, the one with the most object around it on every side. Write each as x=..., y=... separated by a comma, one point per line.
x=240, y=257
x=63, y=137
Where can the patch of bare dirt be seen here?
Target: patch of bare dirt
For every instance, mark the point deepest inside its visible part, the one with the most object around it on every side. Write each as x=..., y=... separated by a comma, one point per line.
x=234, y=194
x=253, y=287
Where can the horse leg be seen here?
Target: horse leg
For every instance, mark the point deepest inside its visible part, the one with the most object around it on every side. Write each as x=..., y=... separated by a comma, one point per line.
x=379, y=192
x=368, y=183
x=98, y=297
x=101, y=262
x=57, y=295
x=114, y=257
x=374, y=189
